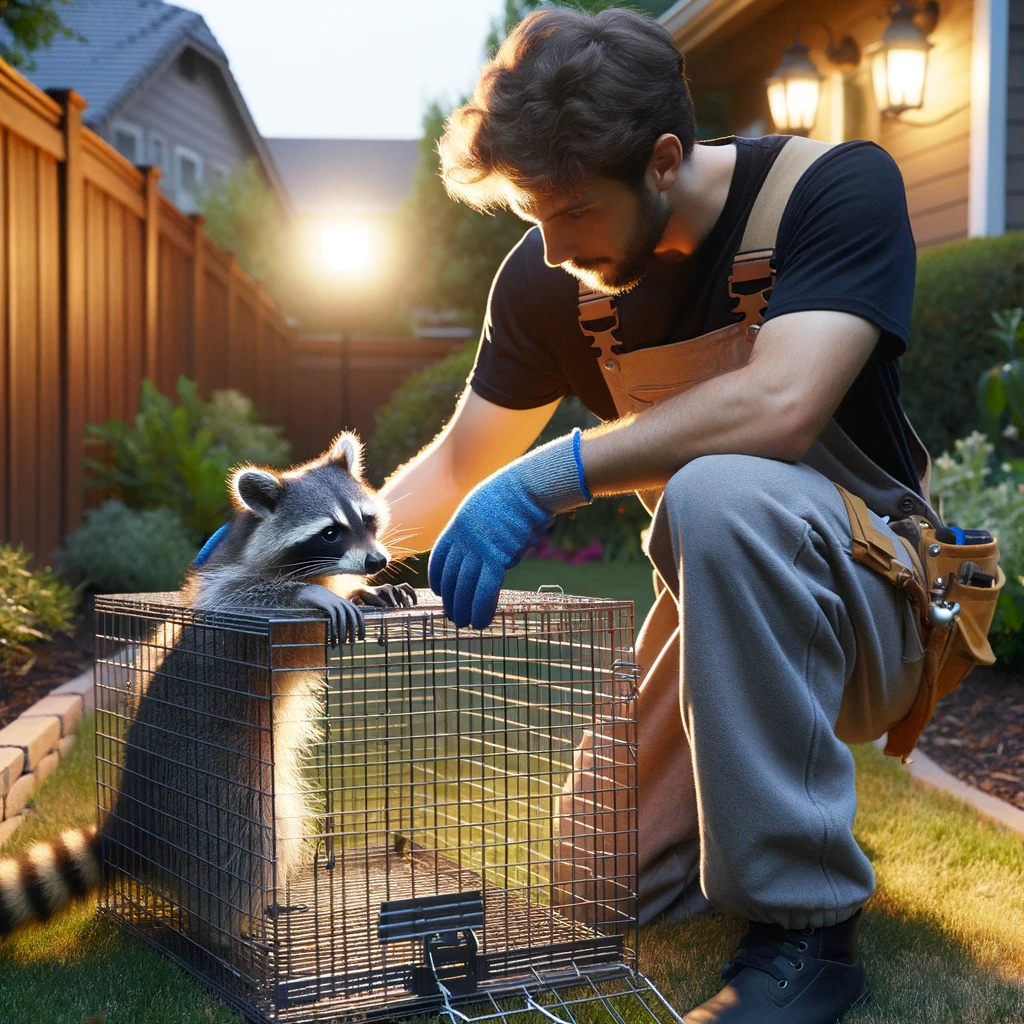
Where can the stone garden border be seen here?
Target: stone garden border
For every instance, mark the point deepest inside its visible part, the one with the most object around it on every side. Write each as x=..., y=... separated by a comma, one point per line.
x=34, y=744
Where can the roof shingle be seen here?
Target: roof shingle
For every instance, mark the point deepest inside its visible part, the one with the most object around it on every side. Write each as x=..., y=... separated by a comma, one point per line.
x=124, y=39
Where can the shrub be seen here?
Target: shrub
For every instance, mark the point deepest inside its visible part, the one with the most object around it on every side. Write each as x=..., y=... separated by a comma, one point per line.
x=178, y=456
x=125, y=550
x=1001, y=388
x=958, y=286
x=965, y=492
x=32, y=604
x=418, y=409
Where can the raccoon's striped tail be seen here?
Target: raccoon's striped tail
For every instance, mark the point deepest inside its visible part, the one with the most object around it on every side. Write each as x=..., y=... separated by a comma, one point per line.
x=47, y=877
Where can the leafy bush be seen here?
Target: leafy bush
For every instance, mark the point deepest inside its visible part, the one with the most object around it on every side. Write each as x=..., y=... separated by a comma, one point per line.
x=178, y=456
x=417, y=411
x=32, y=604
x=967, y=492
x=124, y=550
x=1001, y=388
x=951, y=343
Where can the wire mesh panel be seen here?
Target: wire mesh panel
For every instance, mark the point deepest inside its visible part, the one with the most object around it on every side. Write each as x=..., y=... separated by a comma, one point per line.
x=431, y=818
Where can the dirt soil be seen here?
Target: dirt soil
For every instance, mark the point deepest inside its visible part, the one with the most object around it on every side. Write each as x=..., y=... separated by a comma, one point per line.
x=977, y=733
x=50, y=664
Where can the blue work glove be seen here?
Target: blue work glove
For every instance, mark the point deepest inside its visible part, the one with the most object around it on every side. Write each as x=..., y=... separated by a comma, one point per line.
x=498, y=520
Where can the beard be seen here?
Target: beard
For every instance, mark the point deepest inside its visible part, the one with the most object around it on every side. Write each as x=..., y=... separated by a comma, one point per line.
x=617, y=276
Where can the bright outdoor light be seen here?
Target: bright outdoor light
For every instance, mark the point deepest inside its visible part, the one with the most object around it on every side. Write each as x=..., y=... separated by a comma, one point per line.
x=794, y=90
x=346, y=248
x=899, y=62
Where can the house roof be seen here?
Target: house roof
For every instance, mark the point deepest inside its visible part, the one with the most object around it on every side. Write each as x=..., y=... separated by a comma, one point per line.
x=126, y=41
x=346, y=175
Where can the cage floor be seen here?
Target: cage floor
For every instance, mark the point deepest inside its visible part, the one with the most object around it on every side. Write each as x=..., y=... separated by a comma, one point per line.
x=329, y=961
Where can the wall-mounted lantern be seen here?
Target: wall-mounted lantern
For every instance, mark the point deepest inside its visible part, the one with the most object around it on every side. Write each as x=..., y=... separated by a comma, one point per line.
x=899, y=61
x=794, y=88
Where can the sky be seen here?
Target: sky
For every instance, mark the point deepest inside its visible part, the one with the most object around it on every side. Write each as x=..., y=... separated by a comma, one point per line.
x=349, y=68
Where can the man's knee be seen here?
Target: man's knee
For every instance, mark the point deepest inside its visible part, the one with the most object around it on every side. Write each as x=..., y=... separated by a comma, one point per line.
x=714, y=485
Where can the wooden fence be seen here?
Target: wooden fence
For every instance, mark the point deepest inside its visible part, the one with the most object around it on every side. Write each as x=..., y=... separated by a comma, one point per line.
x=102, y=283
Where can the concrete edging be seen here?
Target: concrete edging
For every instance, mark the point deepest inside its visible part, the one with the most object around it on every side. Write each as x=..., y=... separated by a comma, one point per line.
x=930, y=773
x=33, y=745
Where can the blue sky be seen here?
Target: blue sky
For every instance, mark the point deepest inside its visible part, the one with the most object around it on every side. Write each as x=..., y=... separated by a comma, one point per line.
x=348, y=68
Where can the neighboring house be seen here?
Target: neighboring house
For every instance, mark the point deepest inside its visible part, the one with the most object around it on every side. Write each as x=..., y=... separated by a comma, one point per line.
x=346, y=177
x=159, y=90
x=961, y=153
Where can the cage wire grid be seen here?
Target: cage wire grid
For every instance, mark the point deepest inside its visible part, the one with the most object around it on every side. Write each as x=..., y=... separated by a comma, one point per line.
x=430, y=819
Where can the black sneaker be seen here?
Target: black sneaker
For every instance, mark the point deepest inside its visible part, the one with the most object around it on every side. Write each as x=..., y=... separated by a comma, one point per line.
x=782, y=976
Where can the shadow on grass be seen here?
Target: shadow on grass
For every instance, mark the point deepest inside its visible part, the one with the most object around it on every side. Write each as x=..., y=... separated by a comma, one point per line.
x=917, y=971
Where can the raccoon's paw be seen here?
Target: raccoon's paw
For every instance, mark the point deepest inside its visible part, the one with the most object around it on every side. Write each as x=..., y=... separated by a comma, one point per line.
x=387, y=595
x=344, y=619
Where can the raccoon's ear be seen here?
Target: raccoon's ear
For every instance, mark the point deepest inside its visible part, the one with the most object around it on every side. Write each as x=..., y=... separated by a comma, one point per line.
x=348, y=451
x=257, y=490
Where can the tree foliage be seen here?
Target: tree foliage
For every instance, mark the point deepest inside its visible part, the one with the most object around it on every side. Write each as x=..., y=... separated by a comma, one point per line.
x=243, y=216
x=29, y=25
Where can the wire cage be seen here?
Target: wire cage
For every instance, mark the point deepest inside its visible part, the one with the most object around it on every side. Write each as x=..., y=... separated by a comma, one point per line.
x=430, y=819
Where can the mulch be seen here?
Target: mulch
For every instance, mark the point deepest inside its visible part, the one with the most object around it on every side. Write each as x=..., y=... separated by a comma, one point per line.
x=977, y=733
x=50, y=663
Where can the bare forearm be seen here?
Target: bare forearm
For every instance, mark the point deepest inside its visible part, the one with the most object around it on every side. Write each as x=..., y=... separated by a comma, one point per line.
x=422, y=496
x=774, y=407
x=721, y=416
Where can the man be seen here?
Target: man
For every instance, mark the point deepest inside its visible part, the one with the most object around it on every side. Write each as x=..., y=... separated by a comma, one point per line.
x=768, y=646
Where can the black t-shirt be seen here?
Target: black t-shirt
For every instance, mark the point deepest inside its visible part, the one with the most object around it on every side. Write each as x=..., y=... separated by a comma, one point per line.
x=844, y=244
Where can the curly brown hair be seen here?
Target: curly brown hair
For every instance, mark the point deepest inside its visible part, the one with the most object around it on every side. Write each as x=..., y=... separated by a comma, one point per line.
x=568, y=95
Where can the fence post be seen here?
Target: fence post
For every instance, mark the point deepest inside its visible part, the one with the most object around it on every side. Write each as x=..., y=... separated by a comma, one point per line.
x=199, y=369
x=151, y=308
x=73, y=310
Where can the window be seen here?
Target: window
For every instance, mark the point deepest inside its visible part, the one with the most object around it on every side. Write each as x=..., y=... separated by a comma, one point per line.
x=128, y=141
x=188, y=178
x=158, y=151
x=217, y=174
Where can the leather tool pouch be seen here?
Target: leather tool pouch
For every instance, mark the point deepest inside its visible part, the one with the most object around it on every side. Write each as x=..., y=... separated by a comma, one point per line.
x=953, y=612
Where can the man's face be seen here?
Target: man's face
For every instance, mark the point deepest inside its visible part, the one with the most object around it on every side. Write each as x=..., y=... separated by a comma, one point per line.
x=605, y=235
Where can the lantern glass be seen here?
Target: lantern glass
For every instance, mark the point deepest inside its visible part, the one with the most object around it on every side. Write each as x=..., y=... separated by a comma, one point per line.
x=899, y=75
x=794, y=90
x=794, y=103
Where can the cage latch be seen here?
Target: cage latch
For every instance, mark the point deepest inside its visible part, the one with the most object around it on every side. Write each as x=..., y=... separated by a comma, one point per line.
x=445, y=926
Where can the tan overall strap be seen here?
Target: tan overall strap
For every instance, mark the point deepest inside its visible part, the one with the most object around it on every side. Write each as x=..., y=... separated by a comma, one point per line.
x=751, y=263
x=766, y=214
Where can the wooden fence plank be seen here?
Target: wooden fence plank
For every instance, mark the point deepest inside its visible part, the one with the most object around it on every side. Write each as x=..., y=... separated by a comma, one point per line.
x=73, y=311
x=96, y=321
x=114, y=293
x=110, y=172
x=23, y=326
x=6, y=256
x=49, y=459
x=152, y=282
x=136, y=310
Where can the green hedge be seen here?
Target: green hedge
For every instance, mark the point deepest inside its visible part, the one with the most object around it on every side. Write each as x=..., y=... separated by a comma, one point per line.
x=959, y=286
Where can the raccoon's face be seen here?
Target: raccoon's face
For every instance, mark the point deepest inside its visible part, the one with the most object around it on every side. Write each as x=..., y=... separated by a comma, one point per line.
x=316, y=520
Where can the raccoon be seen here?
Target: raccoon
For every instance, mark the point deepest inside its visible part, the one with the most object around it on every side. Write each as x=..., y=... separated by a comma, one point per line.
x=192, y=815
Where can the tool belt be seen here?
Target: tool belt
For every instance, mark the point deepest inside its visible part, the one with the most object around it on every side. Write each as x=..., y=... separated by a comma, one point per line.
x=953, y=589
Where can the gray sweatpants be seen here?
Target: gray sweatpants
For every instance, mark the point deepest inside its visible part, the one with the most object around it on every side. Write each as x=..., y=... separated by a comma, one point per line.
x=786, y=650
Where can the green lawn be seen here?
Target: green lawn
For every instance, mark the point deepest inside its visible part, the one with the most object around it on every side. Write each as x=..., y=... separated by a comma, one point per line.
x=943, y=937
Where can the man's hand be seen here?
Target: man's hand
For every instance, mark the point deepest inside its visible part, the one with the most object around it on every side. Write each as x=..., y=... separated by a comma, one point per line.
x=499, y=519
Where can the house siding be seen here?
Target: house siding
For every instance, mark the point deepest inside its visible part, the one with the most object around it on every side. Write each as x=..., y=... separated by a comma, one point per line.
x=197, y=114
x=1015, y=121
x=933, y=154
